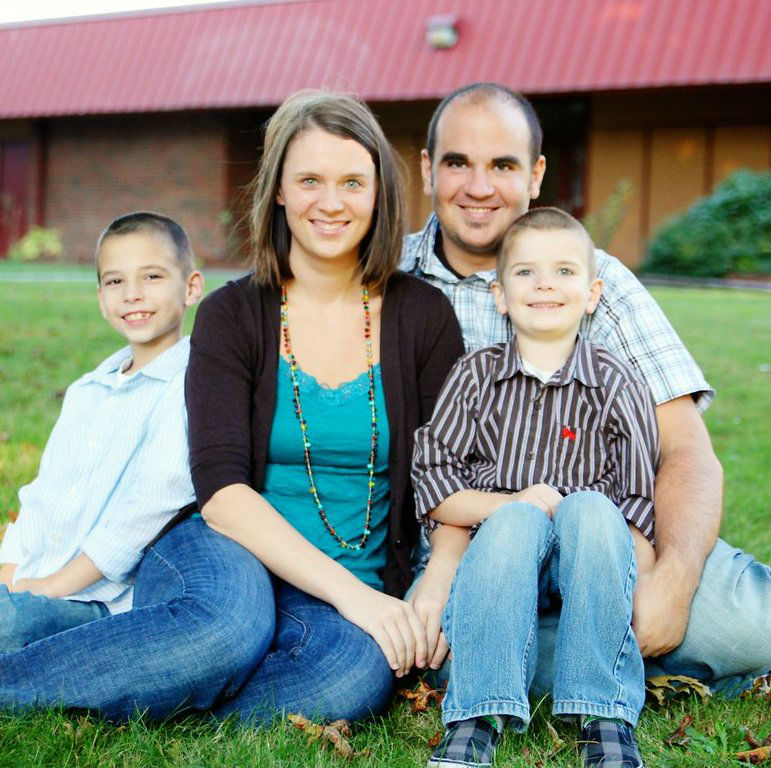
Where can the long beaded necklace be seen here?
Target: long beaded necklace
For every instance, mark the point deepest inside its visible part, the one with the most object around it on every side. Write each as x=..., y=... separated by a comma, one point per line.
x=362, y=540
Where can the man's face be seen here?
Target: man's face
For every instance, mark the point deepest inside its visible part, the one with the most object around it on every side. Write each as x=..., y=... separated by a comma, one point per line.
x=481, y=178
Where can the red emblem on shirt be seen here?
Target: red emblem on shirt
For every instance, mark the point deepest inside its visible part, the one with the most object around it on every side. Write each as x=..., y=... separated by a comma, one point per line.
x=568, y=433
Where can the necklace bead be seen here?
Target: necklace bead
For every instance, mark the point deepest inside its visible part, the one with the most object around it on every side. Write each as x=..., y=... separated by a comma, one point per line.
x=361, y=542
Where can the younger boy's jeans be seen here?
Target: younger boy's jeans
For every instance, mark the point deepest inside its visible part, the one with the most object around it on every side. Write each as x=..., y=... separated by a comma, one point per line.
x=25, y=617
x=520, y=560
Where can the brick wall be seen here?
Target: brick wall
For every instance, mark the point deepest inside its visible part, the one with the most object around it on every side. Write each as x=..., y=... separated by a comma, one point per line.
x=99, y=168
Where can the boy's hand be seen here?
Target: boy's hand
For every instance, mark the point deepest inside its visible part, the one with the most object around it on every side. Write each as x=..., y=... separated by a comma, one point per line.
x=540, y=495
x=6, y=575
x=428, y=600
x=35, y=586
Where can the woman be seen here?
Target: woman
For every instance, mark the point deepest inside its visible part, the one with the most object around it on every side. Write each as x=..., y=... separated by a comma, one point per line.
x=305, y=386
x=306, y=382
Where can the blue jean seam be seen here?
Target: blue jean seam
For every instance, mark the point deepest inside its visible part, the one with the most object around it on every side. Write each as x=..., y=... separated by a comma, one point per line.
x=622, y=655
x=171, y=567
x=545, y=550
x=297, y=649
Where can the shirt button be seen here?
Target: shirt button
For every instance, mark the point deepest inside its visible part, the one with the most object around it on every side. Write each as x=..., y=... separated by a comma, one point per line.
x=530, y=454
x=537, y=405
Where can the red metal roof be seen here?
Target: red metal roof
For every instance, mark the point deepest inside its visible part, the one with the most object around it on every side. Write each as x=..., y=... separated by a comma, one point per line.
x=255, y=55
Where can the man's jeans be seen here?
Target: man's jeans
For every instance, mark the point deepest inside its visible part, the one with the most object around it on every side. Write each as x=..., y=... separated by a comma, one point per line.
x=521, y=559
x=205, y=633
x=25, y=617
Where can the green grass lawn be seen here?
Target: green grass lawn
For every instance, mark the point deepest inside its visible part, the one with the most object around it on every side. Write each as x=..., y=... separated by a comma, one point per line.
x=51, y=332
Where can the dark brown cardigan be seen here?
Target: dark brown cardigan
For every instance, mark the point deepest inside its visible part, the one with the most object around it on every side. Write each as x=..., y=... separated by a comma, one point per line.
x=231, y=391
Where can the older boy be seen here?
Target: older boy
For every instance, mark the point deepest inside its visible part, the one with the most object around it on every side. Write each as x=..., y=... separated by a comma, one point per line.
x=546, y=445
x=115, y=469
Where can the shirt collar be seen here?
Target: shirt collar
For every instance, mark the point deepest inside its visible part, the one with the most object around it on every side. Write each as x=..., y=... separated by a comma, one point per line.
x=164, y=367
x=583, y=365
x=426, y=260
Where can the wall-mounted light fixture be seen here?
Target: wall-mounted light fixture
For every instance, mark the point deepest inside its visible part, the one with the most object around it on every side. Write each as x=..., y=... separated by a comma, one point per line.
x=442, y=31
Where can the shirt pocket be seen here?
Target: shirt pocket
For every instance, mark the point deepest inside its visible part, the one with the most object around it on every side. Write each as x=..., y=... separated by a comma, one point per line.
x=579, y=456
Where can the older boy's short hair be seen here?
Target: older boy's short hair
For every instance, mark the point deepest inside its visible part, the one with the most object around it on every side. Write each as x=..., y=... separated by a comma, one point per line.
x=151, y=223
x=545, y=218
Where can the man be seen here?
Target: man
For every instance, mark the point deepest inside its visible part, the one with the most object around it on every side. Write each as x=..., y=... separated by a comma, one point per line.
x=705, y=608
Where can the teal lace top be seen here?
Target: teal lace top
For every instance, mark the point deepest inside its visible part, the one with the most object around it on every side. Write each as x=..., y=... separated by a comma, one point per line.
x=340, y=434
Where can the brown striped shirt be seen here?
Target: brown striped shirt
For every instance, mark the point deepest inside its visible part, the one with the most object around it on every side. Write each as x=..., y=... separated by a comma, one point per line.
x=496, y=428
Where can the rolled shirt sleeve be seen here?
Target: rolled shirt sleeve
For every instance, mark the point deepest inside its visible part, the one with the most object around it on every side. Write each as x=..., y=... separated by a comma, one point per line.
x=635, y=454
x=444, y=446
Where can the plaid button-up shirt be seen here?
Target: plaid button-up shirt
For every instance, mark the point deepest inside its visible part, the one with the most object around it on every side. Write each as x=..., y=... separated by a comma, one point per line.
x=497, y=428
x=627, y=321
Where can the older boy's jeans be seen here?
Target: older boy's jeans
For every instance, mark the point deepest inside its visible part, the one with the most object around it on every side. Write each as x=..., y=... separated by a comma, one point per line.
x=25, y=617
x=521, y=559
x=206, y=631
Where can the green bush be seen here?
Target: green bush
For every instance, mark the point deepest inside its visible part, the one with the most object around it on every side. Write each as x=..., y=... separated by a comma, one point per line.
x=727, y=233
x=39, y=243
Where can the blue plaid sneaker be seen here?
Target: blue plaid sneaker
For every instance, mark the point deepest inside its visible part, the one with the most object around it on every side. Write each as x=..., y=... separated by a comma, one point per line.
x=470, y=743
x=609, y=744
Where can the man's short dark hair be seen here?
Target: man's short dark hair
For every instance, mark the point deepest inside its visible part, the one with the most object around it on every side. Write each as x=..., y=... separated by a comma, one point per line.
x=491, y=91
x=151, y=223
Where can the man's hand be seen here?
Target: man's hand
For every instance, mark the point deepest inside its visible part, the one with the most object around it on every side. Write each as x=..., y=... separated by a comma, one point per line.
x=540, y=495
x=661, y=610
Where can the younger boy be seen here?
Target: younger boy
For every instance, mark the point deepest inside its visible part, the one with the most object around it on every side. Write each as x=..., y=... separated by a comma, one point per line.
x=547, y=448
x=115, y=469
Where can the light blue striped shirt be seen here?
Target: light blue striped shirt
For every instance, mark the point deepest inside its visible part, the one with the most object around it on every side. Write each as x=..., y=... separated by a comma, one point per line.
x=114, y=472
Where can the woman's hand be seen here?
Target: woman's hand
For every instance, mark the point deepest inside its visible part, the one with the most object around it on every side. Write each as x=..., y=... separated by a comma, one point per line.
x=392, y=623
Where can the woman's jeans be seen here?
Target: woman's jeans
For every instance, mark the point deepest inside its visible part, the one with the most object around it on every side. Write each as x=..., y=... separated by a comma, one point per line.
x=208, y=631
x=521, y=560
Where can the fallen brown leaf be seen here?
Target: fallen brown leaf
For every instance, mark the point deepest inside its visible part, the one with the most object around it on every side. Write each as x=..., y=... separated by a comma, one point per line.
x=761, y=688
x=435, y=739
x=421, y=696
x=556, y=741
x=755, y=756
x=663, y=687
x=336, y=733
x=678, y=737
x=753, y=740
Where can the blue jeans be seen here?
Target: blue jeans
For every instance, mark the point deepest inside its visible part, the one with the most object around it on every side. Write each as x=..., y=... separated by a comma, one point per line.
x=203, y=630
x=319, y=665
x=728, y=640
x=520, y=560
x=25, y=617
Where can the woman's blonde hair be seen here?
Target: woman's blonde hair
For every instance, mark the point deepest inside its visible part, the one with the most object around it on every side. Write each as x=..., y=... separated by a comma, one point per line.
x=349, y=118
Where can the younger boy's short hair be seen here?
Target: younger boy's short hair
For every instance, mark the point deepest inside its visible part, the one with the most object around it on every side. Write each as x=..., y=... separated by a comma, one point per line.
x=544, y=218
x=151, y=223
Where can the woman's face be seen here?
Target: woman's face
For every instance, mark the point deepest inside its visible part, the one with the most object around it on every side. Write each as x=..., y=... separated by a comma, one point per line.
x=328, y=188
